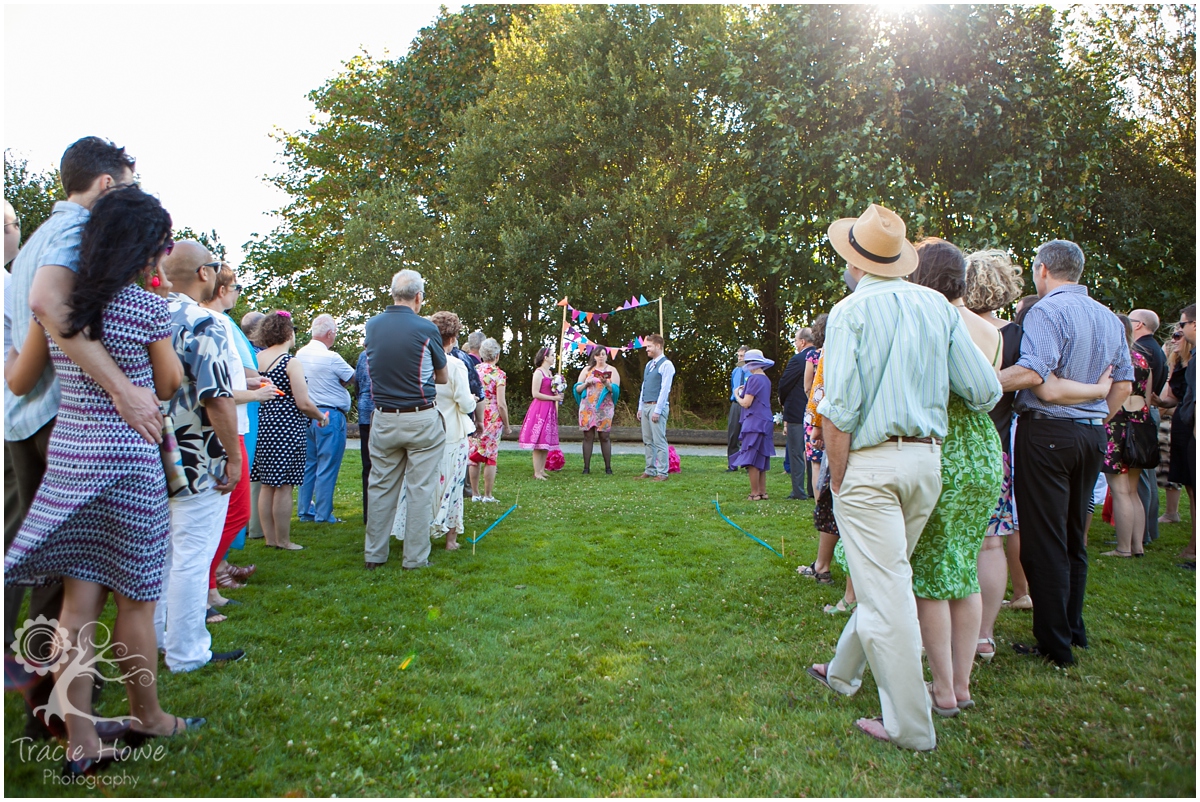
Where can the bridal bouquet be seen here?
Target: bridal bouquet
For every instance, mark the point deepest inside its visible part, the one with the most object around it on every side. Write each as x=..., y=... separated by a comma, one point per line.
x=558, y=385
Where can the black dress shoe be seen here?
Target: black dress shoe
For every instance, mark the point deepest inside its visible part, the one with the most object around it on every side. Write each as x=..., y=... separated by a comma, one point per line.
x=731, y=470
x=1034, y=651
x=228, y=657
x=88, y=766
x=371, y=566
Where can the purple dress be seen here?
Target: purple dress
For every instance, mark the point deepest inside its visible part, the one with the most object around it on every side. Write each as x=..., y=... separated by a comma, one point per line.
x=100, y=514
x=758, y=427
x=540, y=429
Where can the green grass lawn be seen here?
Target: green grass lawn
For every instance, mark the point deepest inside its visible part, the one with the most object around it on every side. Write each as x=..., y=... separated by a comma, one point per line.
x=616, y=637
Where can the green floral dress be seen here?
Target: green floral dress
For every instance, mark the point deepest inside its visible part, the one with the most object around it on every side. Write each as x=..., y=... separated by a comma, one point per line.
x=943, y=562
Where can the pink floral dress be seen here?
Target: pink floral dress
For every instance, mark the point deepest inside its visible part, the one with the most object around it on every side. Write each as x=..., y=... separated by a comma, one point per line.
x=485, y=447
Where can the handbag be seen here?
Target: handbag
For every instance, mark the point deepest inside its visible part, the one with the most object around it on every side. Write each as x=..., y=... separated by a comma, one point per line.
x=172, y=457
x=1141, y=444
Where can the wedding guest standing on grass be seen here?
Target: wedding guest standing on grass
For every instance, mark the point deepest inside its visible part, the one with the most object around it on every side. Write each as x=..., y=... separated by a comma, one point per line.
x=794, y=398
x=456, y=404
x=205, y=422
x=495, y=422
x=539, y=432
x=99, y=523
x=654, y=409
x=896, y=352
x=813, y=453
x=597, y=391
x=43, y=279
x=734, y=429
x=1145, y=324
x=327, y=376
x=366, y=408
x=406, y=359
x=758, y=426
x=282, y=429
x=1121, y=467
x=248, y=325
x=1070, y=335
x=1183, y=469
x=944, y=562
x=243, y=372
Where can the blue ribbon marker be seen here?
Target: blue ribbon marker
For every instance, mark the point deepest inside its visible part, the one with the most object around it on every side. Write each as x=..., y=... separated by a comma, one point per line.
x=717, y=504
x=501, y=518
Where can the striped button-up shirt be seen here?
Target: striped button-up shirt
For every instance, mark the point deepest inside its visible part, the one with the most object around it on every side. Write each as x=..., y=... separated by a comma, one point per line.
x=893, y=353
x=1074, y=337
x=56, y=242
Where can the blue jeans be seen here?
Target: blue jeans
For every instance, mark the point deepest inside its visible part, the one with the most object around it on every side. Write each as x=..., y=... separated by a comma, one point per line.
x=323, y=460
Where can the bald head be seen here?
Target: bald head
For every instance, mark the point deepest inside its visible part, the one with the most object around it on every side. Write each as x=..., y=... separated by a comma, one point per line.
x=12, y=233
x=250, y=320
x=183, y=267
x=1147, y=319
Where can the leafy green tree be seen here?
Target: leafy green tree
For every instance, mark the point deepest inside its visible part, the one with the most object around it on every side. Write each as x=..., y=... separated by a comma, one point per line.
x=209, y=239
x=32, y=194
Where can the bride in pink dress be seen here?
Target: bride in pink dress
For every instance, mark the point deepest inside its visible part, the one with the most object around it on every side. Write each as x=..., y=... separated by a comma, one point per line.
x=539, y=432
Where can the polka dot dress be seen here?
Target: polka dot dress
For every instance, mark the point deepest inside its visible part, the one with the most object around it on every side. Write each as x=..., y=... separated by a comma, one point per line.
x=282, y=433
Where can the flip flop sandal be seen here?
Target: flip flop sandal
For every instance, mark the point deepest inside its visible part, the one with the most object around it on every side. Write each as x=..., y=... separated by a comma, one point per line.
x=214, y=616
x=859, y=726
x=840, y=607
x=819, y=677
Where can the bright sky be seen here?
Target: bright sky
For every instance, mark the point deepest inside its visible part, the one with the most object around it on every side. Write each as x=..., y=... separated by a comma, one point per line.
x=193, y=92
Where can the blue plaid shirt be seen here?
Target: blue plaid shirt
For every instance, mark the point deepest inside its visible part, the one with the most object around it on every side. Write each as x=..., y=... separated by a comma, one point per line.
x=56, y=242
x=1074, y=337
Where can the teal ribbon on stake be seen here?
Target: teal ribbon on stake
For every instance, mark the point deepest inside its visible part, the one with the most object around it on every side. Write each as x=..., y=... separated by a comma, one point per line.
x=717, y=504
x=495, y=524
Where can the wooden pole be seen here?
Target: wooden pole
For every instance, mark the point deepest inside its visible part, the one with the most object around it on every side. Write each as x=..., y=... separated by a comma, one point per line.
x=474, y=535
x=660, y=319
x=562, y=337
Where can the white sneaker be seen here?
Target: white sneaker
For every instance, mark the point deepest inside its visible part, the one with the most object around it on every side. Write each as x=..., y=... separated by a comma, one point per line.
x=476, y=498
x=492, y=500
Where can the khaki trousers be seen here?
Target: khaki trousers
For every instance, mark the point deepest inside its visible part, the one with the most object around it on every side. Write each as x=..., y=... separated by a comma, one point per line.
x=406, y=449
x=886, y=497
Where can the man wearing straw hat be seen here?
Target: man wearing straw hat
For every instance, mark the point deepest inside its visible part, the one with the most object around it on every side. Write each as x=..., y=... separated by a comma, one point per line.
x=893, y=353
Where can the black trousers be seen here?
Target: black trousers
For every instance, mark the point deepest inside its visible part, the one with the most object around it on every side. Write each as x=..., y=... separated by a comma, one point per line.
x=364, y=441
x=734, y=430
x=1057, y=462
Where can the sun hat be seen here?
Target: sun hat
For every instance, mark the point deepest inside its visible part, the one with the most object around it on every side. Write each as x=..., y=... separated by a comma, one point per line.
x=755, y=359
x=875, y=242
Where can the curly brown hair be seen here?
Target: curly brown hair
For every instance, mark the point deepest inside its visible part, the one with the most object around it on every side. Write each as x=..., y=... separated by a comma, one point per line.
x=448, y=324
x=274, y=329
x=993, y=281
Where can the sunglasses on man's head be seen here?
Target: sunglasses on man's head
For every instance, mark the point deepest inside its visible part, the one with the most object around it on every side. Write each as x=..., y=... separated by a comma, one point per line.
x=213, y=265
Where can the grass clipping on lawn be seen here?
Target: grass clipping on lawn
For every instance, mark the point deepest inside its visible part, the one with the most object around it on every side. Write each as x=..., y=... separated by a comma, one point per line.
x=614, y=637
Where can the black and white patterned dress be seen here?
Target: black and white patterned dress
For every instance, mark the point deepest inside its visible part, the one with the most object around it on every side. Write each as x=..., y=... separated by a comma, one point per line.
x=282, y=434
x=100, y=514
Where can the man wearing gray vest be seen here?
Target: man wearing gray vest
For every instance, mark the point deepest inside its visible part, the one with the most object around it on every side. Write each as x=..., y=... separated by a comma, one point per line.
x=654, y=407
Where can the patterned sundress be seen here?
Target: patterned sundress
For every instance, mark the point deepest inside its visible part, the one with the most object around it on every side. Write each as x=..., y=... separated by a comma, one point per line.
x=100, y=514
x=282, y=434
x=596, y=406
x=1114, y=454
x=811, y=419
x=944, y=560
x=485, y=447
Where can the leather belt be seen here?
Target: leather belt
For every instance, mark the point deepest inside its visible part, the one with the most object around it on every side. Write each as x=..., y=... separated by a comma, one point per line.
x=1080, y=421
x=929, y=441
x=394, y=411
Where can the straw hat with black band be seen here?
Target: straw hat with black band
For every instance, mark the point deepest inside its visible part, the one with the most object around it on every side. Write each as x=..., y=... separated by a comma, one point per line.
x=875, y=242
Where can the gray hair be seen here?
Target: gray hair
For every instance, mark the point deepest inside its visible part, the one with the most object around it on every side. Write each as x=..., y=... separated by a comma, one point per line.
x=1063, y=258
x=323, y=325
x=474, y=339
x=489, y=350
x=406, y=284
x=804, y=333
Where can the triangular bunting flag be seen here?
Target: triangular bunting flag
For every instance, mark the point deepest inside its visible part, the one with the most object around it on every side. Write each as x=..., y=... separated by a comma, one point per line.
x=603, y=315
x=612, y=352
x=624, y=306
x=574, y=314
x=642, y=300
x=633, y=302
x=590, y=315
x=563, y=302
